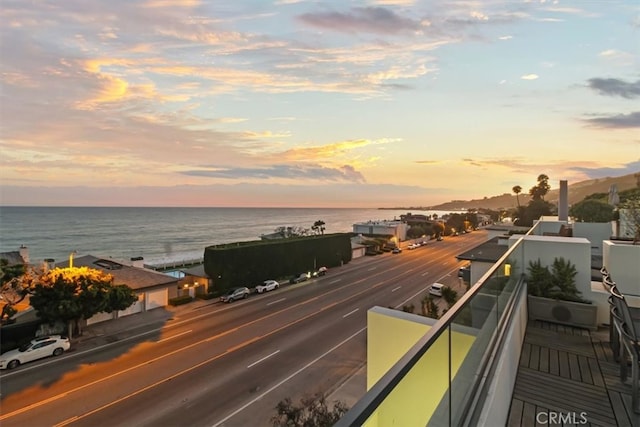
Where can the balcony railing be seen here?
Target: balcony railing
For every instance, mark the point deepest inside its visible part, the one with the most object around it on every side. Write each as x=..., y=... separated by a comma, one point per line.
x=442, y=378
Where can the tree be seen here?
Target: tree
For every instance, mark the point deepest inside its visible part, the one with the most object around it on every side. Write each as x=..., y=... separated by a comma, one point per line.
x=429, y=307
x=17, y=282
x=592, y=210
x=450, y=296
x=629, y=212
x=517, y=190
x=313, y=411
x=540, y=190
x=318, y=227
x=71, y=294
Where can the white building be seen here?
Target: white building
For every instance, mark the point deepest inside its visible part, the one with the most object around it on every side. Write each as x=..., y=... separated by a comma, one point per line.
x=395, y=228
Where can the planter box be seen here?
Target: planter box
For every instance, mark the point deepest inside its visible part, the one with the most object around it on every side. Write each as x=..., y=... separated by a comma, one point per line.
x=564, y=312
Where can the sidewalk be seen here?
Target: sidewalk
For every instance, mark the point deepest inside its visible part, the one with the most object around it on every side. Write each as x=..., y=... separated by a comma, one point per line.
x=125, y=327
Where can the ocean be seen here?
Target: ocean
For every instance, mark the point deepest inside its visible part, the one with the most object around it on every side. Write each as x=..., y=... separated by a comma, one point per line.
x=159, y=235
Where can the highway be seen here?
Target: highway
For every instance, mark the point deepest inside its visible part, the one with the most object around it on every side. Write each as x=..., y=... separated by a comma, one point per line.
x=230, y=364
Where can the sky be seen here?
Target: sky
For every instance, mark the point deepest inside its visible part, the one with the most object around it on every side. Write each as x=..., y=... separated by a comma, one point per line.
x=294, y=103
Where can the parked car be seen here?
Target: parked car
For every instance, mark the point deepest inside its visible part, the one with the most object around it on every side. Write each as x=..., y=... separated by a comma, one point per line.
x=436, y=289
x=267, y=285
x=439, y=239
x=396, y=251
x=234, y=294
x=413, y=246
x=464, y=271
x=53, y=345
x=297, y=278
x=321, y=271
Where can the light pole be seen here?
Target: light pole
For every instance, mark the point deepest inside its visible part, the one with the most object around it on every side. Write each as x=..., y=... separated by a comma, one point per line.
x=71, y=258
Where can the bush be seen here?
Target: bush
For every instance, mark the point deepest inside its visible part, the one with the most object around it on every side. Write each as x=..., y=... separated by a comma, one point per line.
x=312, y=411
x=180, y=300
x=209, y=295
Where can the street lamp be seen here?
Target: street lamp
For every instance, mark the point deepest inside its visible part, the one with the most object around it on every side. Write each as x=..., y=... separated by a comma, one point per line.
x=71, y=258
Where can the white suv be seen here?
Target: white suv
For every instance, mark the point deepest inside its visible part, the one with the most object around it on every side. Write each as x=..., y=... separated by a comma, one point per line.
x=436, y=289
x=267, y=285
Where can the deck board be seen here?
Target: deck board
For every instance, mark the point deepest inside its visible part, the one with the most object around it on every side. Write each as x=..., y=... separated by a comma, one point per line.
x=569, y=370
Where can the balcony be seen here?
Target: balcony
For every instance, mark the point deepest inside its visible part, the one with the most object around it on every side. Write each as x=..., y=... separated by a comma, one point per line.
x=485, y=363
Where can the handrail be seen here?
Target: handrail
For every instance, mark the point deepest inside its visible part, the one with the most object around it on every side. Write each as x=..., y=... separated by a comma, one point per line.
x=365, y=407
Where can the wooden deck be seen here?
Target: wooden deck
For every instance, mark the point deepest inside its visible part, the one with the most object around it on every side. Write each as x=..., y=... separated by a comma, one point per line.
x=567, y=376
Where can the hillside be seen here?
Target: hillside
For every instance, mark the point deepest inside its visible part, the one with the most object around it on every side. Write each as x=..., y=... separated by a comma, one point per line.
x=577, y=193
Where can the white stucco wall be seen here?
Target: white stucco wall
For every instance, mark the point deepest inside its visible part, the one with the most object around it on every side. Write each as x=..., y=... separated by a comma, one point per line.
x=622, y=260
x=594, y=232
x=574, y=249
x=548, y=225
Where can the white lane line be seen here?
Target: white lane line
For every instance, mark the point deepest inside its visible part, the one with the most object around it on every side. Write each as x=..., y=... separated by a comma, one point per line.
x=334, y=281
x=276, y=301
x=409, y=269
x=425, y=273
x=246, y=405
x=395, y=289
x=412, y=297
x=263, y=359
x=173, y=336
x=350, y=313
x=371, y=269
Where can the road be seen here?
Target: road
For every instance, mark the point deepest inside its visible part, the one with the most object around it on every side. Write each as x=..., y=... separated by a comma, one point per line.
x=230, y=364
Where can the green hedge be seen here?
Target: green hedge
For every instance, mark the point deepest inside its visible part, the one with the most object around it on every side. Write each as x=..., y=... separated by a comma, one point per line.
x=249, y=263
x=180, y=300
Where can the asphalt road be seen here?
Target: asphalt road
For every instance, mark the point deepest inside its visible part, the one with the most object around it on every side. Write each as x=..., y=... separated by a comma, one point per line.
x=230, y=364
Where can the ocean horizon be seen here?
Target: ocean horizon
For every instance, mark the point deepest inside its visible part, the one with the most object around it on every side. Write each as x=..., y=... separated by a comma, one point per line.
x=160, y=234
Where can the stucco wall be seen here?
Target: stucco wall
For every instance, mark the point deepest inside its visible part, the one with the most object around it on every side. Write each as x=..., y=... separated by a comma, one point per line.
x=622, y=260
x=594, y=232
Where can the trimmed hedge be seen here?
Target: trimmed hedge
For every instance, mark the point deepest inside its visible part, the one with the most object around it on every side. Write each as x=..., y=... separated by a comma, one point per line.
x=249, y=263
x=184, y=299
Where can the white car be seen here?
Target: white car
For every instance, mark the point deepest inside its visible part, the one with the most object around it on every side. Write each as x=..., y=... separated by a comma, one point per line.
x=38, y=348
x=436, y=289
x=267, y=285
x=413, y=246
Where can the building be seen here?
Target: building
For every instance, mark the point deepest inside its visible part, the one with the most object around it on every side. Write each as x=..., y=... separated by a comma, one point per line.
x=392, y=228
x=462, y=369
x=154, y=289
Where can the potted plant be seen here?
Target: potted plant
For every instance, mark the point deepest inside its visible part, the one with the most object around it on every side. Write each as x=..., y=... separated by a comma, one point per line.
x=554, y=297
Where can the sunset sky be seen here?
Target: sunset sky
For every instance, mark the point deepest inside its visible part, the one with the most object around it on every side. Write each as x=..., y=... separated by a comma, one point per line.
x=299, y=103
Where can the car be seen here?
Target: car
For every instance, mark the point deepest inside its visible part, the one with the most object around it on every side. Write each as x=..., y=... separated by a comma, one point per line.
x=436, y=289
x=464, y=271
x=439, y=239
x=234, y=294
x=53, y=345
x=413, y=246
x=321, y=271
x=267, y=285
x=396, y=251
x=297, y=278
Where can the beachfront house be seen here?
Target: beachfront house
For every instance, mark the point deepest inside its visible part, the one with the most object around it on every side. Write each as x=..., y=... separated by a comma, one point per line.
x=154, y=289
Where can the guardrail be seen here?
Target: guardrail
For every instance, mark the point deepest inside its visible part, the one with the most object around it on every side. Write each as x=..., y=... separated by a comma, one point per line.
x=458, y=352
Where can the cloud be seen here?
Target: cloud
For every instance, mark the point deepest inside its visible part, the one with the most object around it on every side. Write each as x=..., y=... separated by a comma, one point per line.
x=376, y=20
x=615, y=87
x=618, y=121
x=344, y=173
x=605, y=172
x=505, y=38
x=530, y=77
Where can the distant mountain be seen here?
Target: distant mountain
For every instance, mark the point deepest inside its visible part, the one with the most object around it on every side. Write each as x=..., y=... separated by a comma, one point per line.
x=577, y=193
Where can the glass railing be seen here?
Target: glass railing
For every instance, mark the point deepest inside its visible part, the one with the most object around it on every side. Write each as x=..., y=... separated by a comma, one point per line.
x=438, y=381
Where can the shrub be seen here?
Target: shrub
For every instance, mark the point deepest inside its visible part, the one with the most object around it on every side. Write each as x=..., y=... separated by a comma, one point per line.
x=313, y=411
x=557, y=283
x=180, y=300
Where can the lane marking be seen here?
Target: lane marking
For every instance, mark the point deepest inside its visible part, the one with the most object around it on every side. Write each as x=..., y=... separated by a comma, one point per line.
x=251, y=402
x=263, y=359
x=191, y=319
x=174, y=336
x=409, y=269
x=350, y=313
x=371, y=269
x=395, y=289
x=276, y=301
x=425, y=273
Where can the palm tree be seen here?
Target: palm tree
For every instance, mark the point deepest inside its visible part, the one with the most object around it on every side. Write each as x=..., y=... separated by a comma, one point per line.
x=517, y=190
x=319, y=225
